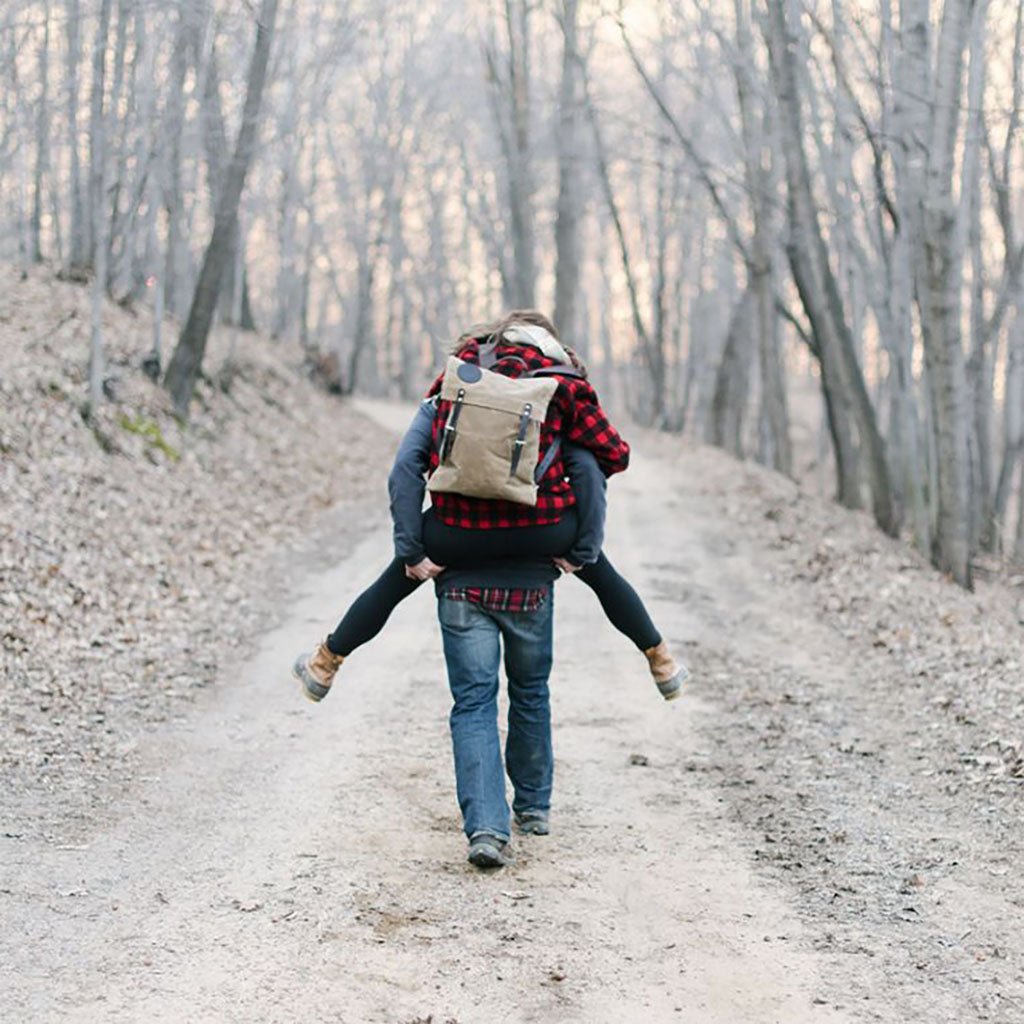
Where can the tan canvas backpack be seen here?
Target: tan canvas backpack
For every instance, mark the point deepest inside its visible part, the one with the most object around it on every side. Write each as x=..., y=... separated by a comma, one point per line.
x=490, y=443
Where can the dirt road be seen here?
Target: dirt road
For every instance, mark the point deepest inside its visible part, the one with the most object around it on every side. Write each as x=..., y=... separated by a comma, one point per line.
x=278, y=861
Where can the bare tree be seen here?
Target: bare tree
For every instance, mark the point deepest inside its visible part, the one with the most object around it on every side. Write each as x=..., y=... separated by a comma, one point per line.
x=183, y=370
x=43, y=114
x=646, y=343
x=79, y=251
x=938, y=290
x=775, y=446
x=569, y=207
x=97, y=210
x=509, y=74
x=851, y=416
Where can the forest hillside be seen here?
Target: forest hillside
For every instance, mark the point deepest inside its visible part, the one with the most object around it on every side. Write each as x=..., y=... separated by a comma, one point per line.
x=134, y=551
x=237, y=240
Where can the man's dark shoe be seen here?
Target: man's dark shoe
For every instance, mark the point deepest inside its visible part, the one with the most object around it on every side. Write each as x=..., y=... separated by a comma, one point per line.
x=487, y=851
x=533, y=823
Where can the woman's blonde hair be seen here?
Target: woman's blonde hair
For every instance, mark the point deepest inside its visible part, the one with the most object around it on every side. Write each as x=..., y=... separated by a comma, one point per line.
x=495, y=329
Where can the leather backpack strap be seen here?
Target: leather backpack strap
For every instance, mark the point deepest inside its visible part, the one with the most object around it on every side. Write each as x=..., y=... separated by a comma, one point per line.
x=549, y=457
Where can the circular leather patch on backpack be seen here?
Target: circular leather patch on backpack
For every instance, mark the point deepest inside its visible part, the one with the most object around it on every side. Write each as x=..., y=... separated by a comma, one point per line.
x=470, y=373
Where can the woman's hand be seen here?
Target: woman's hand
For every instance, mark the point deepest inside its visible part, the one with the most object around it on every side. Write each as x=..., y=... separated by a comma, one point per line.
x=425, y=570
x=567, y=567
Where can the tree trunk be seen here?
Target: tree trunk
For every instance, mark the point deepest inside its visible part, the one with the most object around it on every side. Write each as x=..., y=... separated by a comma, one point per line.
x=131, y=231
x=233, y=297
x=43, y=114
x=97, y=207
x=97, y=136
x=732, y=382
x=910, y=60
x=774, y=448
x=521, y=169
x=118, y=185
x=980, y=364
x=173, y=189
x=569, y=210
x=1018, y=546
x=510, y=87
x=78, y=257
x=1013, y=420
x=187, y=360
x=362, y=340
x=847, y=397
x=938, y=289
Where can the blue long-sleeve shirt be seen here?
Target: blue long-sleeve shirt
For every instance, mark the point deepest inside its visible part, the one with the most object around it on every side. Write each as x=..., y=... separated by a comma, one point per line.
x=590, y=486
x=407, y=484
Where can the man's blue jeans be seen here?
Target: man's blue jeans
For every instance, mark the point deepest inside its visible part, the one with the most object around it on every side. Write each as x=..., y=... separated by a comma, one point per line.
x=472, y=650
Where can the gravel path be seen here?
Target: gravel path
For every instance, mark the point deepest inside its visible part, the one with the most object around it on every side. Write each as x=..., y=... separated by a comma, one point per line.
x=278, y=861
x=866, y=725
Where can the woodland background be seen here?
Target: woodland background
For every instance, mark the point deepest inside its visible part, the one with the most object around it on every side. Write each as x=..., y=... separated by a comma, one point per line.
x=790, y=229
x=716, y=201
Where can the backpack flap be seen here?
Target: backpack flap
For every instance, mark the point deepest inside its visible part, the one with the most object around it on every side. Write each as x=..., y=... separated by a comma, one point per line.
x=490, y=442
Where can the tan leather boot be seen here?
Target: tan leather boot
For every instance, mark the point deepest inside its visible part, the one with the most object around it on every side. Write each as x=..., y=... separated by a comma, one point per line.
x=668, y=675
x=316, y=671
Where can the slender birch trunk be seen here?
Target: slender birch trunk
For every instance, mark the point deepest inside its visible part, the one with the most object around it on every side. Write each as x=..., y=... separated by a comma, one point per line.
x=1018, y=544
x=1013, y=420
x=174, y=119
x=908, y=55
x=509, y=76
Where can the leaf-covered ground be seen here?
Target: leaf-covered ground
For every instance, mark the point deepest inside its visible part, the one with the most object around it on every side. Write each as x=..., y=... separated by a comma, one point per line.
x=866, y=724
x=129, y=546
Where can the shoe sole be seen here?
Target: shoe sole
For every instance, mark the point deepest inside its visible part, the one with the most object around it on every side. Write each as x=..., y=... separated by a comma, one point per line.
x=672, y=688
x=487, y=855
x=486, y=859
x=533, y=828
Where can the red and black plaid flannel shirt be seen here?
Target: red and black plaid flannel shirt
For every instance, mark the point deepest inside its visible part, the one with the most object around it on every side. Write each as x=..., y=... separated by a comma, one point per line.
x=500, y=599
x=574, y=413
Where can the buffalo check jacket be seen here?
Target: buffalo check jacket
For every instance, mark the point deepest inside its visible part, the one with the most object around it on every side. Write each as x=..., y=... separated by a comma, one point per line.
x=574, y=413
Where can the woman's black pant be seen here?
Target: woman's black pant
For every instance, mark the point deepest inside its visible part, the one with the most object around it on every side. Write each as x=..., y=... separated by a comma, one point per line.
x=454, y=546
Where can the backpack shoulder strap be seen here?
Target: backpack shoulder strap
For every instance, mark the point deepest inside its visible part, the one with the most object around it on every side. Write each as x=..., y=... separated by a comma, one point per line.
x=488, y=352
x=549, y=456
